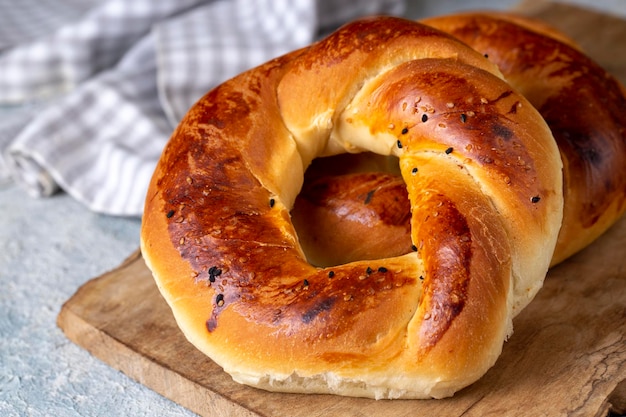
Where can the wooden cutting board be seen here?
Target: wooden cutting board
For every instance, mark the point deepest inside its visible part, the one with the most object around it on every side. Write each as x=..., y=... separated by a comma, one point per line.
x=567, y=356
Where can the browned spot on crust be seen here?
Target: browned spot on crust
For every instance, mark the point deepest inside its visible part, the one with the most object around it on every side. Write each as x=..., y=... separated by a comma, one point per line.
x=380, y=197
x=595, y=151
x=445, y=241
x=363, y=35
x=349, y=217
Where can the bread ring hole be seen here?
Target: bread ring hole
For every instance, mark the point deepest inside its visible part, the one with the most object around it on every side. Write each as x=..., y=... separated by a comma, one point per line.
x=353, y=207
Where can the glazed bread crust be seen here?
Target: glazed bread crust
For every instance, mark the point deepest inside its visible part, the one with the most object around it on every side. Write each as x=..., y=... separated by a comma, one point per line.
x=584, y=106
x=484, y=181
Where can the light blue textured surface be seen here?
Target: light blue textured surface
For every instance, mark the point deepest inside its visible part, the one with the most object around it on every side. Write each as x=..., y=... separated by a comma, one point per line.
x=48, y=249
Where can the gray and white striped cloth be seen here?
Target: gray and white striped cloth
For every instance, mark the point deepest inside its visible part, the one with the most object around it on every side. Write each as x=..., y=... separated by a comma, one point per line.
x=90, y=91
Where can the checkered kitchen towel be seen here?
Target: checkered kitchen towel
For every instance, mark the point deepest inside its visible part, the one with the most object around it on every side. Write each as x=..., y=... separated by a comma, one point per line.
x=90, y=91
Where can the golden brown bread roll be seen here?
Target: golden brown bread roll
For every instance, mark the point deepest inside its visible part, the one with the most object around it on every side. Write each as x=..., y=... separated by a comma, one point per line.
x=484, y=181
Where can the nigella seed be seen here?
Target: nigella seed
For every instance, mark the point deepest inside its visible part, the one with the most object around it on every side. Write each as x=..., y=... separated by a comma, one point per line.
x=449, y=151
x=463, y=117
x=272, y=202
x=382, y=269
x=421, y=277
x=486, y=55
x=219, y=300
x=414, y=248
x=368, y=270
x=399, y=144
x=414, y=171
x=305, y=283
x=331, y=274
x=170, y=213
x=535, y=199
x=405, y=130
x=424, y=118
x=214, y=272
